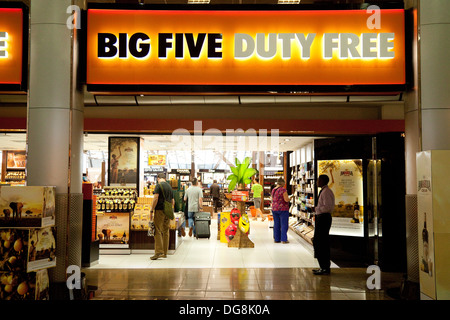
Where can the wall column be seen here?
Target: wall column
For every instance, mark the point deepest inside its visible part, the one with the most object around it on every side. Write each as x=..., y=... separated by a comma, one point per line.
x=427, y=108
x=55, y=125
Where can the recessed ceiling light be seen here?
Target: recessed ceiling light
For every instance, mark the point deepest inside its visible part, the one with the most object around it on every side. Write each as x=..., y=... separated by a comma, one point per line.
x=198, y=1
x=288, y=1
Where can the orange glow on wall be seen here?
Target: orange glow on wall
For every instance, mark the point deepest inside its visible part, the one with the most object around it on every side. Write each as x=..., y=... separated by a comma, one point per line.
x=231, y=47
x=11, y=37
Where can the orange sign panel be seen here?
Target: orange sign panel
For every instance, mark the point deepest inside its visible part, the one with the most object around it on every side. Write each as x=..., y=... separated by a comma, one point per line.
x=11, y=39
x=232, y=47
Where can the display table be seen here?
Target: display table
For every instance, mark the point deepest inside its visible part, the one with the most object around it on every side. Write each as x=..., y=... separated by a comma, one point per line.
x=141, y=242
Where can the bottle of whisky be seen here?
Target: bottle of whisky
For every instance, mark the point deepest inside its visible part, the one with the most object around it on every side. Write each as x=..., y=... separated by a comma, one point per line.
x=356, y=211
x=425, y=243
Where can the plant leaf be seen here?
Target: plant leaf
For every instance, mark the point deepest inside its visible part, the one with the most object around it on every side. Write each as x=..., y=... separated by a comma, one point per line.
x=232, y=184
x=243, y=168
x=234, y=170
x=249, y=173
x=231, y=177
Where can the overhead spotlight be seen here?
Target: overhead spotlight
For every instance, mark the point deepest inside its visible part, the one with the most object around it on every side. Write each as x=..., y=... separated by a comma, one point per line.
x=288, y=1
x=198, y=1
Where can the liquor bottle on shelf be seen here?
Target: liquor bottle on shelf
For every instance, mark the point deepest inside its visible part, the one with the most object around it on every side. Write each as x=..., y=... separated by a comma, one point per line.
x=356, y=211
x=425, y=244
x=99, y=205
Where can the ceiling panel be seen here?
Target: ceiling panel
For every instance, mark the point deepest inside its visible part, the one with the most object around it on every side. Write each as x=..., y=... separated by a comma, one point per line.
x=99, y=142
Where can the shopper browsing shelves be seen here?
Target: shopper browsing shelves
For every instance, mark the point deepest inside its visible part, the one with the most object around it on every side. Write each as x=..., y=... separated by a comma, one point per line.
x=257, y=190
x=163, y=192
x=280, y=211
x=215, y=194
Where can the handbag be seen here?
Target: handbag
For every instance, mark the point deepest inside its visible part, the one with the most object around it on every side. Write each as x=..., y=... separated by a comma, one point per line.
x=168, y=209
x=151, y=229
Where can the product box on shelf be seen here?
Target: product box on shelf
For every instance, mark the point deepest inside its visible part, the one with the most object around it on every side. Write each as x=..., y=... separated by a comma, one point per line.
x=24, y=286
x=27, y=250
x=141, y=217
x=27, y=206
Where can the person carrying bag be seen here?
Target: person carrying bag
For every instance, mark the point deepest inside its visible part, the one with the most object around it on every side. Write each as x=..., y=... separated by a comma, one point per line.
x=168, y=206
x=162, y=210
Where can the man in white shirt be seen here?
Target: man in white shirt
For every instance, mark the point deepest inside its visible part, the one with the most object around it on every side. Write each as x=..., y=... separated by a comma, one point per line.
x=323, y=211
x=194, y=195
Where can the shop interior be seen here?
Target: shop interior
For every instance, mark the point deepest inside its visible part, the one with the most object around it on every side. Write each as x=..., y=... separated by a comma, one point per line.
x=365, y=222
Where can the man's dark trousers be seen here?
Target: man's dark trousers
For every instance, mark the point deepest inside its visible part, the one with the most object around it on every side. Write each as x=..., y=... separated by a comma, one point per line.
x=321, y=241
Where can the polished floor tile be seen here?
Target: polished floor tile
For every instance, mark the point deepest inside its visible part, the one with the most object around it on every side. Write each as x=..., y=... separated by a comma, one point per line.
x=208, y=270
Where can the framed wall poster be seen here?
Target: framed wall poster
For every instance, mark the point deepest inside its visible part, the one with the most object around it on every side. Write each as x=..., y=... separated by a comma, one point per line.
x=123, y=161
x=16, y=159
x=346, y=182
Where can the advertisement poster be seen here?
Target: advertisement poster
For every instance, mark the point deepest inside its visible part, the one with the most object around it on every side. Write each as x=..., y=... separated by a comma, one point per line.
x=123, y=161
x=27, y=250
x=16, y=160
x=41, y=249
x=346, y=182
x=24, y=286
x=27, y=206
x=156, y=160
x=425, y=224
x=14, y=250
x=113, y=228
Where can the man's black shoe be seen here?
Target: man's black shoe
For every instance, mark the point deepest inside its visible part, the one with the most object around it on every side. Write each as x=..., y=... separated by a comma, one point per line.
x=321, y=272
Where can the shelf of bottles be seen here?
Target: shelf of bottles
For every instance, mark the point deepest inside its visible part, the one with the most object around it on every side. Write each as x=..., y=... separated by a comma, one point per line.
x=302, y=203
x=15, y=175
x=116, y=199
x=270, y=179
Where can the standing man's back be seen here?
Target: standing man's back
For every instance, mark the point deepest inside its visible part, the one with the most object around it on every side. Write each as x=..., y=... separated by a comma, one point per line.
x=194, y=195
x=215, y=194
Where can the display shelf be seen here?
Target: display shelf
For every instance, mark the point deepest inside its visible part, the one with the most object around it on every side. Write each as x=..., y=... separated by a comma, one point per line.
x=116, y=199
x=302, y=203
x=27, y=241
x=269, y=180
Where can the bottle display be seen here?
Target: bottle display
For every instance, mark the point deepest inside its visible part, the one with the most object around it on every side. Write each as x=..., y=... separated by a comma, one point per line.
x=425, y=244
x=114, y=199
x=356, y=212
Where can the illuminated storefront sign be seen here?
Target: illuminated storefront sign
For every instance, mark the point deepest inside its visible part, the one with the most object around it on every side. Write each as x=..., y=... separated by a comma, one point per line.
x=11, y=46
x=233, y=47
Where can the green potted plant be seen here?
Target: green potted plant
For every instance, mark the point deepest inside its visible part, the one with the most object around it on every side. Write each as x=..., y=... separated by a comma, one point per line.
x=241, y=174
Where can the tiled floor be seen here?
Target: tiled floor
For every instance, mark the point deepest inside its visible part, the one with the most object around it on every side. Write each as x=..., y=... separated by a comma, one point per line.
x=208, y=269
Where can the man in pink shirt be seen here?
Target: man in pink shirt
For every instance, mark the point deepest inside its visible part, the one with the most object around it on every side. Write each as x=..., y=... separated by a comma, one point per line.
x=323, y=211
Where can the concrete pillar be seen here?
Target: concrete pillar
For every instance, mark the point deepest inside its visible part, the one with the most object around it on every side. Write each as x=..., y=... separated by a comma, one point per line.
x=427, y=107
x=55, y=124
x=412, y=146
x=435, y=74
